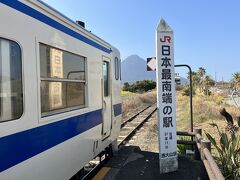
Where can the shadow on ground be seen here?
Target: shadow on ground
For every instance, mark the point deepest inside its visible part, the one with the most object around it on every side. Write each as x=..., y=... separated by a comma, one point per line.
x=132, y=163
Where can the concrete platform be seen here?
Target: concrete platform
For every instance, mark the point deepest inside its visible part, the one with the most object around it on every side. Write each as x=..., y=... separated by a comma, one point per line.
x=132, y=163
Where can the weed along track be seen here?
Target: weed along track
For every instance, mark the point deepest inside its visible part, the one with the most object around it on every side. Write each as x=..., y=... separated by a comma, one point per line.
x=134, y=123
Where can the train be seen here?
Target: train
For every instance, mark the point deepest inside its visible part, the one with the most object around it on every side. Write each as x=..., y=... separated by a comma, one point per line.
x=60, y=101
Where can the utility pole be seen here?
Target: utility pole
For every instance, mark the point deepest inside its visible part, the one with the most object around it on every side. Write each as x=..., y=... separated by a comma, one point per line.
x=222, y=83
x=215, y=79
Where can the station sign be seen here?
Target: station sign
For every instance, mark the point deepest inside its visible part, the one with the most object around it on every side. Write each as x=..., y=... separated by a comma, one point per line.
x=151, y=64
x=166, y=98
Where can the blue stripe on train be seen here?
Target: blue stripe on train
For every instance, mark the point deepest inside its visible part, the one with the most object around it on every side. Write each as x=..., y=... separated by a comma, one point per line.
x=24, y=145
x=51, y=22
x=117, y=109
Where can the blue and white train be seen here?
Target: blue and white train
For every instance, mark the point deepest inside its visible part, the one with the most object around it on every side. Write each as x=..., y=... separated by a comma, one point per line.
x=60, y=103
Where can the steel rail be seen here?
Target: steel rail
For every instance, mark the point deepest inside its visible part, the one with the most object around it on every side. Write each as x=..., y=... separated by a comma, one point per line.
x=134, y=116
x=132, y=132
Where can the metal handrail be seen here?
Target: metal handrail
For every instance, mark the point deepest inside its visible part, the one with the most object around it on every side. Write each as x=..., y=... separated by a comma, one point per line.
x=135, y=115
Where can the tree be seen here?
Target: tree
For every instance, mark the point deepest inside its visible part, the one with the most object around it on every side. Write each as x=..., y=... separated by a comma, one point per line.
x=126, y=86
x=236, y=79
x=201, y=73
x=195, y=79
x=140, y=86
x=207, y=82
x=201, y=81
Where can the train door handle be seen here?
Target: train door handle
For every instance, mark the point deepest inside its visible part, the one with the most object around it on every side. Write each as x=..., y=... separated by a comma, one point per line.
x=104, y=104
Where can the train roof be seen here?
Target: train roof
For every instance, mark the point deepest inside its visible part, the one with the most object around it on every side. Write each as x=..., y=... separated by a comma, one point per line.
x=53, y=13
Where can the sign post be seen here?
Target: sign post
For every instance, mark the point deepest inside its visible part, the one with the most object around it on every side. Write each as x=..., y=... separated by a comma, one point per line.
x=166, y=98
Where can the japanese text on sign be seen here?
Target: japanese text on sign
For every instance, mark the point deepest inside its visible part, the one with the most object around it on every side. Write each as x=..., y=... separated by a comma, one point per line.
x=166, y=99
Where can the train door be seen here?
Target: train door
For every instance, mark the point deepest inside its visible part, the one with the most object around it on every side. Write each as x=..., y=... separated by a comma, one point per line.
x=107, y=97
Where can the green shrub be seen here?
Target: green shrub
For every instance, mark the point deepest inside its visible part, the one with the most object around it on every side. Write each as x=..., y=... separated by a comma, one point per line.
x=140, y=86
x=126, y=86
x=182, y=148
x=228, y=151
x=207, y=92
x=186, y=91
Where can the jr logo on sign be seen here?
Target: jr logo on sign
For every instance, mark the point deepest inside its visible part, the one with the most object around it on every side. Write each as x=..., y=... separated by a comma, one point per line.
x=166, y=38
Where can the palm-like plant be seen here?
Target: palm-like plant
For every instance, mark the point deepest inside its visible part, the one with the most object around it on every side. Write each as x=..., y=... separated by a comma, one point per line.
x=236, y=79
x=228, y=153
x=228, y=147
x=201, y=81
x=201, y=73
x=195, y=78
x=206, y=82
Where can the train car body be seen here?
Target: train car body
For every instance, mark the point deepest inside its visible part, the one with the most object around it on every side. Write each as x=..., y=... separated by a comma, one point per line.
x=60, y=103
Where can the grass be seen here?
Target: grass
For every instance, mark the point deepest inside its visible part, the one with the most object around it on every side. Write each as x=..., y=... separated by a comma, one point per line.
x=126, y=93
x=133, y=102
x=205, y=111
x=205, y=108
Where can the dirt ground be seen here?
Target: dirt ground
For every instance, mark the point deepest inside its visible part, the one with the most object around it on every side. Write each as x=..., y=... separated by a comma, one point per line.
x=147, y=137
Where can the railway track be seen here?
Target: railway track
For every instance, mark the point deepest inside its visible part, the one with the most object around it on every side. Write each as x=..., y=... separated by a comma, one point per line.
x=134, y=123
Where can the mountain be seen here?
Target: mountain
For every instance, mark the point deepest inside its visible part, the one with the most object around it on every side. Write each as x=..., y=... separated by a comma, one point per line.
x=134, y=68
x=184, y=80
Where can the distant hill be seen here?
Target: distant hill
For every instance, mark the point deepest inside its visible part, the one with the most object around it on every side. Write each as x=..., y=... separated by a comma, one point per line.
x=184, y=80
x=134, y=68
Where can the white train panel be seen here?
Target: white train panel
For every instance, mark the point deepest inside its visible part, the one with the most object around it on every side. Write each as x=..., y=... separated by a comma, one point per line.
x=57, y=143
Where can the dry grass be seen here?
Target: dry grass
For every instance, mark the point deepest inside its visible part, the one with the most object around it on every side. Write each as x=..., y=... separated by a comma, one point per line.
x=135, y=102
x=205, y=111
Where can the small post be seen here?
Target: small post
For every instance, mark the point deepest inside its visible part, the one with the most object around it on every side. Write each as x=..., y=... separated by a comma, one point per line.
x=198, y=131
x=205, y=144
x=198, y=138
x=166, y=98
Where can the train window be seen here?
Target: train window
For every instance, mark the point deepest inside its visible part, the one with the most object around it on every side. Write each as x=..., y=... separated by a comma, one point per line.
x=106, y=78
x=116, y=68
x=62, y=80
x=11, y=92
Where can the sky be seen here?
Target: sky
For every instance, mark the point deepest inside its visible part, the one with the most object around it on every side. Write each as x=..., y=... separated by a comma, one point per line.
x=207, y=33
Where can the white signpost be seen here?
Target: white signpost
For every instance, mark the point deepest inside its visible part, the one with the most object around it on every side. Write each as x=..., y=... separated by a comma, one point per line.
x=166, y=100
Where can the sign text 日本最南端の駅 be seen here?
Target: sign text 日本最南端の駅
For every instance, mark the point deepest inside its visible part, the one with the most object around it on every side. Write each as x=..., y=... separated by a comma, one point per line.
x=166, y=98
